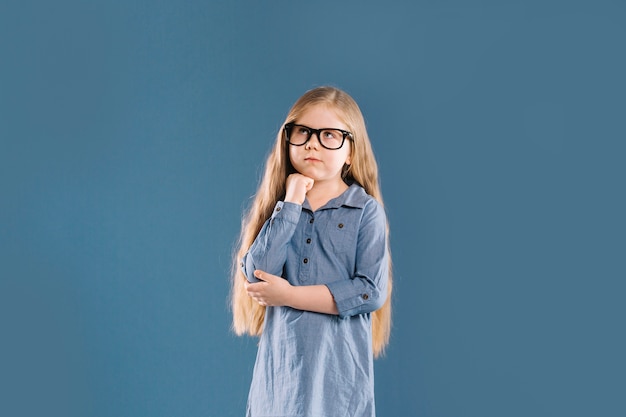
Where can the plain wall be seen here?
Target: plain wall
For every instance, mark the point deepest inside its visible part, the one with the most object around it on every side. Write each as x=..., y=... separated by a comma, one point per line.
x=133, y=134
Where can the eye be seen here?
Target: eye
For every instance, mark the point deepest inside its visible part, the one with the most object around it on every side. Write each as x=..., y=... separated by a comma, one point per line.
x=301, y=130
x=331, y=134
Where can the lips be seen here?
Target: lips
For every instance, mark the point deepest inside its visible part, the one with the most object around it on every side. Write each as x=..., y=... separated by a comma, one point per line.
x=311, y=159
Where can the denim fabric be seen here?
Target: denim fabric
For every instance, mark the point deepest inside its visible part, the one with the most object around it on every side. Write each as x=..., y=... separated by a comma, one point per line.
x=311, y=364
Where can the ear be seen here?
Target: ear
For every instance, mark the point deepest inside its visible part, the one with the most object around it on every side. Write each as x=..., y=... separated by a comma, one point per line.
x=345, y=170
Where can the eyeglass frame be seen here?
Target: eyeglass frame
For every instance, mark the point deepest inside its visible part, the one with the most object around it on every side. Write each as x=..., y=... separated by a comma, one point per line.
x=289, y=126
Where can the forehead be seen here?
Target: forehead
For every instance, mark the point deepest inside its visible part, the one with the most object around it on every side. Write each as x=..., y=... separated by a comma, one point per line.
x=321, y=115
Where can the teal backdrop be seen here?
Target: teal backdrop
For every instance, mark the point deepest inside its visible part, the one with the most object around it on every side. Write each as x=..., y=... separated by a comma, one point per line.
x=132, y=136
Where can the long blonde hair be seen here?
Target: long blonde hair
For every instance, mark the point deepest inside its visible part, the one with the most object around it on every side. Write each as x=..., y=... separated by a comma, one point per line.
x=248, y=315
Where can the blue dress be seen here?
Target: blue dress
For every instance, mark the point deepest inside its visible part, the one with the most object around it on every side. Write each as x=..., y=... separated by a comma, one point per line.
x=311, y=364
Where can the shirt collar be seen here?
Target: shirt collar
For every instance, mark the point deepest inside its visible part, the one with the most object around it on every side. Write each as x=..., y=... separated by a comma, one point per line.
x=355, y=196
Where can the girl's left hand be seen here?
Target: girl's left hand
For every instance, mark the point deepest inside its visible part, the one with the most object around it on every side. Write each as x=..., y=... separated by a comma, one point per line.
x=273, y=291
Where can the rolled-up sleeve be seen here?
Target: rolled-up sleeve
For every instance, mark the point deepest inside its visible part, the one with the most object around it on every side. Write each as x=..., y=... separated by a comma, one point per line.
x=366, y=291
x=269, y=250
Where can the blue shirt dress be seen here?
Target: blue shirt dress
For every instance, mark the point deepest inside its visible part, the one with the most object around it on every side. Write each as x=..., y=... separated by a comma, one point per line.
x=311, y=364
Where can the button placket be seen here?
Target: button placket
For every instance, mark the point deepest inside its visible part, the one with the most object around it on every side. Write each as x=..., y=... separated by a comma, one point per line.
x=307, y=250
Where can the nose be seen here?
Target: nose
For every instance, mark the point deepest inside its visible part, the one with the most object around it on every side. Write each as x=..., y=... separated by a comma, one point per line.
x=313, y=143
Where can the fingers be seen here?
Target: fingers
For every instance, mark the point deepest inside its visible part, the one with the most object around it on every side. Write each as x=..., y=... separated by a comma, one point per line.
x=257, y=292
x=305, y=181
x=270, y=291
x=264, y=276
x=258, y=274
x=253, y=290
x=308, y=183
x=297, y=186
x=257, y=289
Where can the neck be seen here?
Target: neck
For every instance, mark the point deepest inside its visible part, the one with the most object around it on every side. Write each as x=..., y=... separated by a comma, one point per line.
x=324, y=191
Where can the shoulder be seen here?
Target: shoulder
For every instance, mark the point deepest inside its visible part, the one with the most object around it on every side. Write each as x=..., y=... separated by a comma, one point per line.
x=374, y=213
x=372, y=210
x=355, y=196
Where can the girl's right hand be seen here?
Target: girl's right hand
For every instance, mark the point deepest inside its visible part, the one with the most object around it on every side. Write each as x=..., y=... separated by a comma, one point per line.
x=297, y=186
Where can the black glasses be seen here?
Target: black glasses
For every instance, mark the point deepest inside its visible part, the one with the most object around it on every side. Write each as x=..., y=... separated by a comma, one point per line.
x=298, y=135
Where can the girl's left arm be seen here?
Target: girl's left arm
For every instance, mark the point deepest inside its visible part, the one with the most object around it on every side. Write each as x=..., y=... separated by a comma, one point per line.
x=366, y=290
x=277, y=291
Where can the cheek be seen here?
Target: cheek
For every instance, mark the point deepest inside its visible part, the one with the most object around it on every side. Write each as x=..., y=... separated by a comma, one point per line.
x=292, y=153
x=294, y=156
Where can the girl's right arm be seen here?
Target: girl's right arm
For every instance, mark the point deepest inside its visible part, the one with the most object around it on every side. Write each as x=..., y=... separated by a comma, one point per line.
x=269, y=250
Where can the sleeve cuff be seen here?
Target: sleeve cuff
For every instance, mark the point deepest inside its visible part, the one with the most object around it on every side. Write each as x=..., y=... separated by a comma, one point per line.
x=354, y=297
x=285, y=211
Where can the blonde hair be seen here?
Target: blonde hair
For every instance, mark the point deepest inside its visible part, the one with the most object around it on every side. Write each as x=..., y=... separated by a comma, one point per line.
x=248, y=316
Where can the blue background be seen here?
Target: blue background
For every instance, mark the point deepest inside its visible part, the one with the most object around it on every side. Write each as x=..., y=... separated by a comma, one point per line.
x=133, y=135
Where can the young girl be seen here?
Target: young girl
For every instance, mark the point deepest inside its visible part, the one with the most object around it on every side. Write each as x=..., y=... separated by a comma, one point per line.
x=313, y=269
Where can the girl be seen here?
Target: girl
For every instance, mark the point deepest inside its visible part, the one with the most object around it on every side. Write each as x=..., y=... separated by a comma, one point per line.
x=313, y=269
